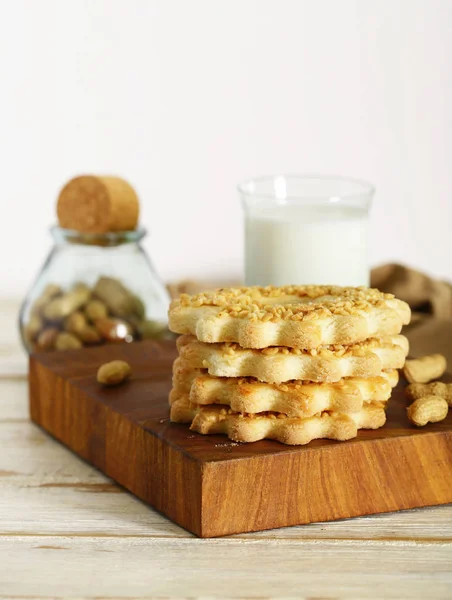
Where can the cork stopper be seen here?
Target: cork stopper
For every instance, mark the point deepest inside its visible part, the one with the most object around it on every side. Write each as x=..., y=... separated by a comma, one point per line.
x=98, y=204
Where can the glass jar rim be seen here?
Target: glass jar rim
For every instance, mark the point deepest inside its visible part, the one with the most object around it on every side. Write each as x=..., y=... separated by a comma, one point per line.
x=278, y=187
x=111, y=238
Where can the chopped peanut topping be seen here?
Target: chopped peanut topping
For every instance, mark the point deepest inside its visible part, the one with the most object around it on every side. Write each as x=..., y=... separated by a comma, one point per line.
x=289, y=303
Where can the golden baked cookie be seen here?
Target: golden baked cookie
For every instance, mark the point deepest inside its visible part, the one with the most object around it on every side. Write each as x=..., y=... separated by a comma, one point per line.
x=279, y=364
x=288, y=430
x=184, y=376
x=294, y=398
x=294, y=316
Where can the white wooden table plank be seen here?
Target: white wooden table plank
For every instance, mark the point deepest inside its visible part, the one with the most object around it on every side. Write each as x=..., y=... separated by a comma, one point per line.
x=14, y=400
x=13, y=360
x=124, y=568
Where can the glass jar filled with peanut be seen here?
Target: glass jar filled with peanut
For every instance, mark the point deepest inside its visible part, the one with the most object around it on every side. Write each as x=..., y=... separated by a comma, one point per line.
x=94, y=288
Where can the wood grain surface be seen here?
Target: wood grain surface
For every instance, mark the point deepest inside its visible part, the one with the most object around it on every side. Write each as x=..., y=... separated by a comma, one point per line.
x=67, y=531
x=212, y=486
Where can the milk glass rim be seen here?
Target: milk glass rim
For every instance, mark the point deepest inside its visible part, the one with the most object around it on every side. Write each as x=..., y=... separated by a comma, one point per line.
x=367, y=191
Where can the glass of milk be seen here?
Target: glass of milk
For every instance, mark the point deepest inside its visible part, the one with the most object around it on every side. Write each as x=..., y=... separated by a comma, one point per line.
x=306, y=229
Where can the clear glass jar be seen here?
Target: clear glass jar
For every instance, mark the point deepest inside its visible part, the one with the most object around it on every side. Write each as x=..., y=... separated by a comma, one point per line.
x=94, y=289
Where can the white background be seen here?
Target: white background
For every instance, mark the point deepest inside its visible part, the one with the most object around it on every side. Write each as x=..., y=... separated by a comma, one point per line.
x=184, y=98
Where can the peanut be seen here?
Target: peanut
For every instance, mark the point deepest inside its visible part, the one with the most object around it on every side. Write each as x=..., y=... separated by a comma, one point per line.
x=50, y=292
x=116, y=296
x=96, y=309
x=114, y=372
x=423, y=370
x=61, y=307
x=67, y=341
x=89, y=335
x=428, y=409
x=33, y=327
x=75, y=322
x=437, y=388
x=47, y=338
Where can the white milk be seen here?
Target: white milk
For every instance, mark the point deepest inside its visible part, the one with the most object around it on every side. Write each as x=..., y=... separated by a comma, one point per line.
x=292, y=244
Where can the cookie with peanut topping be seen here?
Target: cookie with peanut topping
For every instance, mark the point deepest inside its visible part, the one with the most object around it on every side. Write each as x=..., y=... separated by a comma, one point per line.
x=245, y=427
x=278, y=364
x=293, y=398
x=294, y=316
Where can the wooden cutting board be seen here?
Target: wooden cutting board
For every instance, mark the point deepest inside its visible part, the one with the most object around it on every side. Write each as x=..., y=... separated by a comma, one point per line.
x=212, y=486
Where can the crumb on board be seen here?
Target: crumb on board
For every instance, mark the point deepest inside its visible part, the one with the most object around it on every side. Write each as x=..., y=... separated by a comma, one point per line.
x=226, y=444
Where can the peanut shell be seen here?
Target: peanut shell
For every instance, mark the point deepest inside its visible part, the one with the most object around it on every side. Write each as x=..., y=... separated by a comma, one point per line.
x=47, y=338
x=114, y=372
x=96, y=309
x=67, y=341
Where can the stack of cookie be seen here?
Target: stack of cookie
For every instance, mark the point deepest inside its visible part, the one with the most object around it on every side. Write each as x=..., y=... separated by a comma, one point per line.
x=292, y=364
